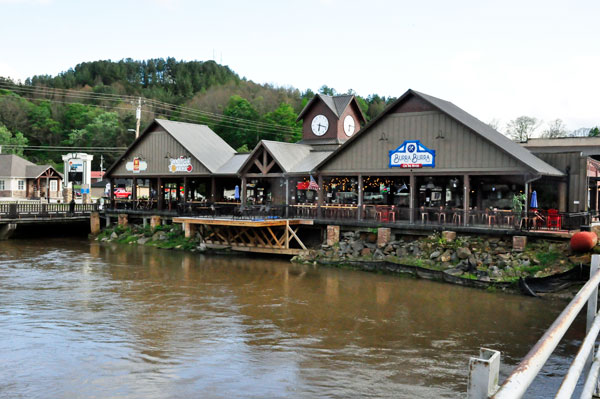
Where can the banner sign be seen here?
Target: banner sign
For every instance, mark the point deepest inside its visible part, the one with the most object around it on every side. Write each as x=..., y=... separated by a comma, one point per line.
x=180, y=164
x=75, y=165
x=136, y=166
x=412, y=154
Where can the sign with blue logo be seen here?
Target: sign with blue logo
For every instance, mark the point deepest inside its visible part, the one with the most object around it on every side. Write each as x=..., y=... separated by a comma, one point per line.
x=412, y=154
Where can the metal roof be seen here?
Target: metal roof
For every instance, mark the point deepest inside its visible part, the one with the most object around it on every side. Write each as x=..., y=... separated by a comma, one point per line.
x=586, y=145
x=12, y=165
x=291, y=157
x=337, y=104
x=232, y=166
x=204, y=144
x=492, y=135
x=483, y=129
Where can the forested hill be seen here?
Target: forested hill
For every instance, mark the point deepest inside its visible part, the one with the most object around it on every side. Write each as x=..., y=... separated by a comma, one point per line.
x=93, y=105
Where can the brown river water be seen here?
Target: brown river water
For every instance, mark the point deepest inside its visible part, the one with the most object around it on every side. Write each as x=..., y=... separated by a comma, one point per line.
x=84, y=320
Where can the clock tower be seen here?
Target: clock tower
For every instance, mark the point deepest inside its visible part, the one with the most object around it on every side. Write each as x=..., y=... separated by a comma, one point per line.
x=330, y=120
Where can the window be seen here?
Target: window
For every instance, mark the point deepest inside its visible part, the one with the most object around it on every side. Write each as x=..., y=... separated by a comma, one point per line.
x=21, y=185
x=2, y=185
x=53, y=185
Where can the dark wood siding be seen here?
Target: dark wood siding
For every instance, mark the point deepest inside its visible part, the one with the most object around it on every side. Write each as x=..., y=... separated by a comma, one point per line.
x=578, y=184
x=154, y=148
x=459, y=151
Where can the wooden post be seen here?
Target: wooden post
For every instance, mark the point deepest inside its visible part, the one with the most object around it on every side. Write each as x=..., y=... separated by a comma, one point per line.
x=320, y=195
x=134, y=192
x=112, y=193
x=244, y=193
x=47, y=187
x=359, y=215
x=160, y=192
x=287, y=197
x=466, y=198
x=411, y=197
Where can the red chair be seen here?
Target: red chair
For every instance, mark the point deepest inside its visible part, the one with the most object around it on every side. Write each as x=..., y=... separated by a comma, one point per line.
x=553, y=219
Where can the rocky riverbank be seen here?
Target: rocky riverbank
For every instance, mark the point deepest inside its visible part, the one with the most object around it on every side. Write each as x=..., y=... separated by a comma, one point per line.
x=448, y=257
x=488, y=259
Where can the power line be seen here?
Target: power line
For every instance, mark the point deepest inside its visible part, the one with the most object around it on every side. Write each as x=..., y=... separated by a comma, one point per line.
x=228, y=121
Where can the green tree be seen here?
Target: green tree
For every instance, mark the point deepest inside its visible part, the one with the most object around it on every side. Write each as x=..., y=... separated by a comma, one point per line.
x=237, y=134
x=329, y=91
x=594, y=132
x=284, y=116
x=15, y=142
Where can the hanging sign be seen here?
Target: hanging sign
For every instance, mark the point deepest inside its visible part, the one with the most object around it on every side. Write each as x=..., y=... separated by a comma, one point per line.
x=180, y=164
x=136, y=165
x=412, y=154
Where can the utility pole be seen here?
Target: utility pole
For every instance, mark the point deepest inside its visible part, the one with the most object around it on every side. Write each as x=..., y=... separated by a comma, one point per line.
x=138, y=116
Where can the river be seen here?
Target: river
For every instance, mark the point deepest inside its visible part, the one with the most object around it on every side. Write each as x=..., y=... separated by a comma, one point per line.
x=83, y=320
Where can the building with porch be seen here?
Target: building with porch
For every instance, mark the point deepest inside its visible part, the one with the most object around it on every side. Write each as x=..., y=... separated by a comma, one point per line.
x=22, y=179
x=423, y=160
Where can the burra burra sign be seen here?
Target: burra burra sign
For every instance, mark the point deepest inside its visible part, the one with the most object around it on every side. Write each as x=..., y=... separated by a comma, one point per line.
x=412, y=154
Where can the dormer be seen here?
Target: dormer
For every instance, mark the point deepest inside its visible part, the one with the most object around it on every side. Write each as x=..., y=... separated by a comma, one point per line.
x=330, y=119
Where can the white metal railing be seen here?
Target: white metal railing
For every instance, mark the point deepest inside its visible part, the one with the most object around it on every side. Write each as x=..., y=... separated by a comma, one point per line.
x=483, y=371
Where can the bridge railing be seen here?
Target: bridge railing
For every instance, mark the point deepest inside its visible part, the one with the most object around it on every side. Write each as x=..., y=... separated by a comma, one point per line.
x=483, y=371
x=20, y=210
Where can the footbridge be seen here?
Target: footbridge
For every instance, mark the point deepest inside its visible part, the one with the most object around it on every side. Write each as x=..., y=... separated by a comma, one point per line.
x=14, y=214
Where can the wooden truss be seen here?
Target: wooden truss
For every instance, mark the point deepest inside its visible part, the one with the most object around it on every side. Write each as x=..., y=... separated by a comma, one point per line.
x=273, y=236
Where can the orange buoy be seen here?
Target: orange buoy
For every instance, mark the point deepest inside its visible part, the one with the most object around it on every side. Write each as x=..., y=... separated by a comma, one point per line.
x=583, y=241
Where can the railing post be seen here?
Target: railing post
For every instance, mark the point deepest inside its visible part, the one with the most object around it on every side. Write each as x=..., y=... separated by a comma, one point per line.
x=483, y=374
x=592, y=310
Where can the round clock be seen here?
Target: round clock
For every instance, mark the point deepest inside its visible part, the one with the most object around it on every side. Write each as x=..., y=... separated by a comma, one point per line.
x=349, y=125
x=319, y=125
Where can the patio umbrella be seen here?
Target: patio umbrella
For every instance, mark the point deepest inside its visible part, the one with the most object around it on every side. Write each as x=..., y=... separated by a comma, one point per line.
x=236, y=193
x=534, y=202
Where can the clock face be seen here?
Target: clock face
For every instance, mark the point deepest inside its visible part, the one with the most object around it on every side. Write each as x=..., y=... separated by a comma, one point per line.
x=319, y=125
x=349, y=125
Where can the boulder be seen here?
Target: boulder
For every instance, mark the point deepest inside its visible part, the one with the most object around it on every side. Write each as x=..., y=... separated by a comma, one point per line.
x=449, y=236
x=365, y=252
x=357, y=245
x=472, y=261
x=463, y=252
x=114, y=236
x=434, y=254
x=401, y=252
x=143, y=240
x=159, y=236
x=446, y=256
x=378, y=254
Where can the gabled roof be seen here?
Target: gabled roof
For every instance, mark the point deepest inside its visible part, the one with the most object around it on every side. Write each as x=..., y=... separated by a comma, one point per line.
x=337, y=104
x=291, y=157
x=202, y=143
x=12, y=165
x=487, y=132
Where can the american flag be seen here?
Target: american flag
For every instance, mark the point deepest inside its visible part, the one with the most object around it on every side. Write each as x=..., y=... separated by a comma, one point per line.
x=313, y=184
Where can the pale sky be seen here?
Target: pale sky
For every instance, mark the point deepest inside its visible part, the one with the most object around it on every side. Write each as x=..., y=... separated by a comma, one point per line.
x=496, y=60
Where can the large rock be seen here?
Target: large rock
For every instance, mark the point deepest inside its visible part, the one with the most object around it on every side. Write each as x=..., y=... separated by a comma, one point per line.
x=114, y=236
x=449, y=236
x=159, y=236
x=378, y=254
x=446, y=256
x=472, y=261
x=357, y=245
x=143, y=240
x=365, y=252
x=463, y=252
x=434, y=254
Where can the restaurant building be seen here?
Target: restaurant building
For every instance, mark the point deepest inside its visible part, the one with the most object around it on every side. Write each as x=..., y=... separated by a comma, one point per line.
x=422, y=160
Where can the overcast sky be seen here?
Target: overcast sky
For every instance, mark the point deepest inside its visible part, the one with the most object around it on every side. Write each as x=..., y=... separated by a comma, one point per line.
x=496, y=60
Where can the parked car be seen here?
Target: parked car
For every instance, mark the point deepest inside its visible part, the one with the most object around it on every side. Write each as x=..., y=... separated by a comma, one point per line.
x=122, y=193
